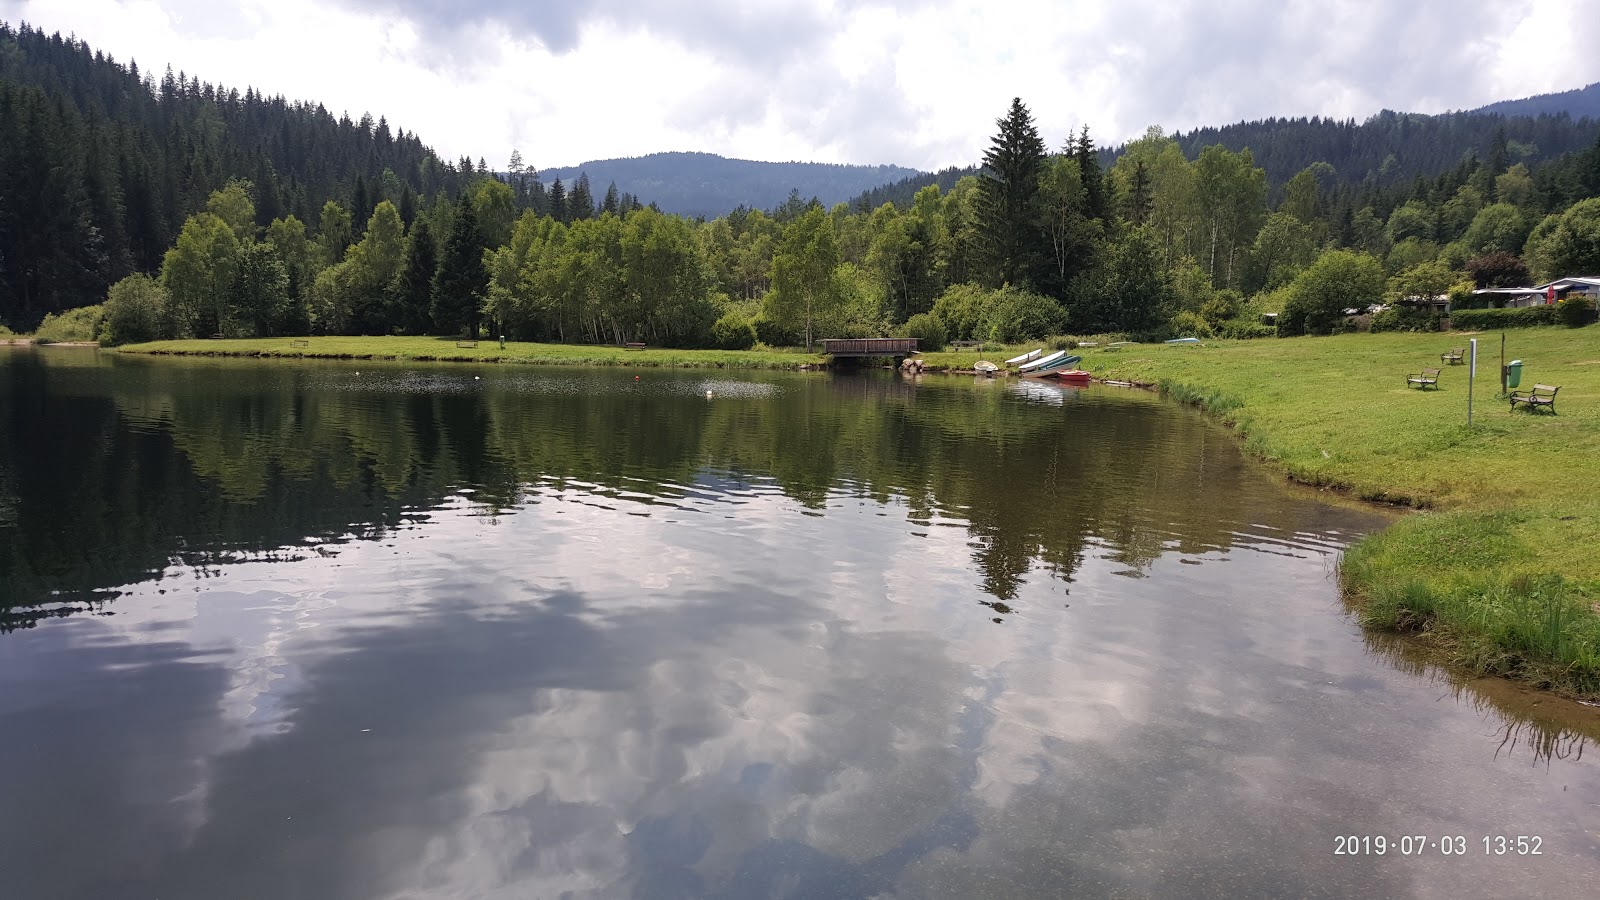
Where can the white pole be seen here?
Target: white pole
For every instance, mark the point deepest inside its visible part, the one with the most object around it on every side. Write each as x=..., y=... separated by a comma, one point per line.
x=1472, y=372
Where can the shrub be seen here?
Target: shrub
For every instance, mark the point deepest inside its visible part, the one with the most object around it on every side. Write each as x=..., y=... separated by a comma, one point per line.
x=1483, y=319
x=81, y=324
x=1574, y=310
x=774, y=334
x=1242, y=329
x=1407, y=318
x=1017, y=315
x=927, y=329
x=1337, y=281
x=733, y=332
x=135, y=311
x=961, y=308
x=1188, y=324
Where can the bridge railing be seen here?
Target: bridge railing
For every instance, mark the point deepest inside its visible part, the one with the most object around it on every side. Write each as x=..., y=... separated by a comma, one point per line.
x=869, y=346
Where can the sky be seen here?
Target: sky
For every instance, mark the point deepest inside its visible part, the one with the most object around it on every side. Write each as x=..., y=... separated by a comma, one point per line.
x=853, y=81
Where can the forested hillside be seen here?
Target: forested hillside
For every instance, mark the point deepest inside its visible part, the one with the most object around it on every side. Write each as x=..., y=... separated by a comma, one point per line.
x=100, y=163
x=1391, y=147
x=708, y=185
x=247, y=216
x=1581, y=103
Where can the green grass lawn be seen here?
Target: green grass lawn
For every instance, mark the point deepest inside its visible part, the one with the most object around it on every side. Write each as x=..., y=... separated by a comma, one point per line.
x=1502, y=568
x=430, y=348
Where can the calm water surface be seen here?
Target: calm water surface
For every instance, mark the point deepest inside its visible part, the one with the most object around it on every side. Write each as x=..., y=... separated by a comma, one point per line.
x=380, y=631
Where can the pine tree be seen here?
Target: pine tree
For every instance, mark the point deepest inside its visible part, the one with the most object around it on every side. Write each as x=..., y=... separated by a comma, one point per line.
x=361, y=206
x=1094, y=189
x=612, y=204
x=558, y=203
x=1139, y=199
x=459, y=285
x=581, y=201
x=412, y=293
x=1010, y=187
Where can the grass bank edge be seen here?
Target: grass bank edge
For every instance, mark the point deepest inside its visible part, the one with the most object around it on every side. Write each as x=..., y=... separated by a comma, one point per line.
x=434, y=350
x=1441, y=576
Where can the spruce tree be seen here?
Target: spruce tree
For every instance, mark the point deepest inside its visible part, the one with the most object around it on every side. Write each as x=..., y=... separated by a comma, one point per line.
x=558, y=203
x=581, y=201
x=1094, y=187
x=612, y=204
x=1010, y=216
x=459, y=286
x=413, y=288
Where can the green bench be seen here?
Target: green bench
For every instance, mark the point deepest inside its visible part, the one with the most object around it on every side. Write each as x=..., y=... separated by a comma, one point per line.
x=1543, y=396
x=1427, y=378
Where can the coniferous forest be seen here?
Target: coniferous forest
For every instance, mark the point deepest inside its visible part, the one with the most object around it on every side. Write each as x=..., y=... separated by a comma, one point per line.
x=136, y=206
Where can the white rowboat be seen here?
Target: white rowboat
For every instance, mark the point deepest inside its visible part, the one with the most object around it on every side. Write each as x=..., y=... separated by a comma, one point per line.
x=1043, y=361
x=1018, y=360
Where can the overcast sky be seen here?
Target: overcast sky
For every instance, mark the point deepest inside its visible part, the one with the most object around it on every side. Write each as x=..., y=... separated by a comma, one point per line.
x=895, y=81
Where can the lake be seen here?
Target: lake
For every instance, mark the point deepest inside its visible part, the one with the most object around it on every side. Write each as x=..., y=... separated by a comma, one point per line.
x=377, y=630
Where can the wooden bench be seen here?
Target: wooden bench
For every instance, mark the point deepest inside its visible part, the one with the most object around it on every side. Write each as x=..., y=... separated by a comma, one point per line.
x=298, y=344
x=1453, y=357
x=466, y=344
x=633, y=345
x=1542, y=396
x=1425, y=379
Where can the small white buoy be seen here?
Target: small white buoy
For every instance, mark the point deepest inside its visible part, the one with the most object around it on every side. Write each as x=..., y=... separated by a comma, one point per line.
x=708, y=395
x=476, y=378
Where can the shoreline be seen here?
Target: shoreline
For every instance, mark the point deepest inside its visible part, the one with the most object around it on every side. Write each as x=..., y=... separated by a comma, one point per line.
x=1452, y=576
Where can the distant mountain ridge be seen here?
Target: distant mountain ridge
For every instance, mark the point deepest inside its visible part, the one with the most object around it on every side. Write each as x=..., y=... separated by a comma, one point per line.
x=705, y=184
x=1580, y=103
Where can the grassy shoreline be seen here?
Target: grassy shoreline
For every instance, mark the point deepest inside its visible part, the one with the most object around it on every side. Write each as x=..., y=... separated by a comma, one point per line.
x=428, y=349
x=1498, y=570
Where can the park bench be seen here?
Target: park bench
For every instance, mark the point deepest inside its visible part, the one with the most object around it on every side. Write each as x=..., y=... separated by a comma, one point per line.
x=1425, y=379
x=967, y=345
x=466, y=344
x=298, y=344
x=1542, y=395
x=1453, y=357
x=633, y=345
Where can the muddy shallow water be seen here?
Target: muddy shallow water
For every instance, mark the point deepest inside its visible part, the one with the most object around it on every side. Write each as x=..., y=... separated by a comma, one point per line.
x=372, y=630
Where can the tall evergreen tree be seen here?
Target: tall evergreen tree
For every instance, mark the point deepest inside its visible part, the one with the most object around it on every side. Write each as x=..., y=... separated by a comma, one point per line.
x=413, y=290
x=1094, y=188
x=612, y=204
x=581, y=200
x=462, y=280
x=1139, y=199
x=1010, y=187
x=558, y=203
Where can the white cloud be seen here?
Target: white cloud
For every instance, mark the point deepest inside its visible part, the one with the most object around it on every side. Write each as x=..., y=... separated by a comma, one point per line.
x=838, y=80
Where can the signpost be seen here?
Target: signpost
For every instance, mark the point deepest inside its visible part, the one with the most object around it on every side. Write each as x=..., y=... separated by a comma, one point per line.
x=1472, y=372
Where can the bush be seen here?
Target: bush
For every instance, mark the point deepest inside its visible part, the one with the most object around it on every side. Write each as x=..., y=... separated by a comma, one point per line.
x=81, y=324
x=1407, y=318
x=1189, y=324
x=774, y=334
x=135, y=311
x=1017, y=315
x=1574, y=310
x=927, y=329
x=733, y=332
x=1484, y=319
x=1243, y=329
x=1318, y=297
x=961, y=308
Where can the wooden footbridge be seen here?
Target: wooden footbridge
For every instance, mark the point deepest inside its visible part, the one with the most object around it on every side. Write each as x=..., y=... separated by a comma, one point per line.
x=844, y=348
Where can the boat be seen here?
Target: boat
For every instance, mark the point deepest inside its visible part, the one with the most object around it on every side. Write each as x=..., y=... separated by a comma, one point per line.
x=1072, y=376
x=1019, y=360
x=1051, y=364
x=1184, y=341
x=1041, y=361
x=984, y=367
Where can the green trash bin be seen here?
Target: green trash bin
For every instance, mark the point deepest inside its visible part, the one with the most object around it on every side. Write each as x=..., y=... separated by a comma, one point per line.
x=1514, y=373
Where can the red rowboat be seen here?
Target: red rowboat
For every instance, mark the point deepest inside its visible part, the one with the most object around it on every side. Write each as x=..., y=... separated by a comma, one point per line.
x=1073, y=376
